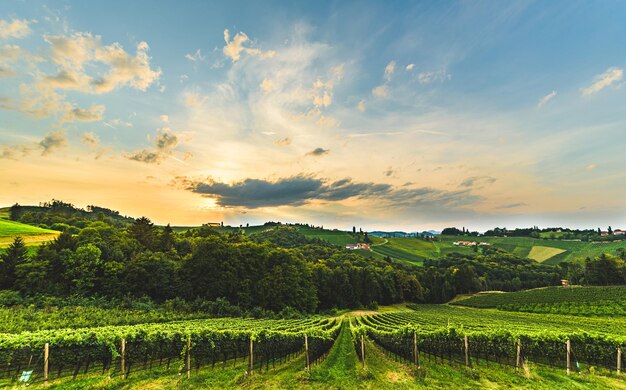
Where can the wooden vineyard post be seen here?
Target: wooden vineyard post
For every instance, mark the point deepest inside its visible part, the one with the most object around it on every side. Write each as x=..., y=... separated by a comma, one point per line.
x=568, y=360
x=518, y=359
x=363, y=349
x=251, y=355
x=46, y=355
x=123, y=358
x=415, y=356
x=188, y=356
x=466, y=351
x=306, y=349
x=619, y=360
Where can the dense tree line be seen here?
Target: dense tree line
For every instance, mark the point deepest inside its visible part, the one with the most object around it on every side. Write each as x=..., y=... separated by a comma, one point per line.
x=63, y=216
x=144, y=260
x=276, y=268
x=494, y=269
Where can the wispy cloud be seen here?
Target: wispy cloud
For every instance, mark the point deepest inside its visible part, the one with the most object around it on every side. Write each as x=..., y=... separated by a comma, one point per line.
x=52, y=141
x=89, y=138
x=546, y=99
x=430, y=77
x=601, y=81
x=390, y=70
x=382, y=91
x=471, y=181
x=165, y=142
x=235, y=47
x=195, y=57
x=16, y=28
x=512, y=205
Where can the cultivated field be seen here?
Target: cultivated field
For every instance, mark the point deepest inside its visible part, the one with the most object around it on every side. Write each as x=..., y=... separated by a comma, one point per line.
x=608, y=301
x=249, y=353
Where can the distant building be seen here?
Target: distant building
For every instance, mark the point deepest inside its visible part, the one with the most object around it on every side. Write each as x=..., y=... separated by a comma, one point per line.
x=470, y=243
x=358, y=246
x=604, y=233
x=619, y=232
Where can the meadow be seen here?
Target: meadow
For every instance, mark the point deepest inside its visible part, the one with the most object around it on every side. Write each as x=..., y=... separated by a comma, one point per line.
x=32, y=235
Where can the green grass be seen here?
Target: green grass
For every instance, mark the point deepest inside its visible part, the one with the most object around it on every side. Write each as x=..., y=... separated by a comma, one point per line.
x=543, y=253
x=32, y=235
x=12, y=228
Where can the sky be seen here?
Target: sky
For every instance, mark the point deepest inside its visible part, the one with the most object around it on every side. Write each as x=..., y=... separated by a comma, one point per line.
x=408, y=115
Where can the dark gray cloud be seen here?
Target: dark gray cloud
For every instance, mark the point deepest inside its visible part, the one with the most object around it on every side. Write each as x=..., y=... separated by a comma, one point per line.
x=165, y=140
x=318, y=152
x=146, y=156
x=301, y=189
x=14, y=152
x=512, y=205
x=471, y=181
x=53, y=140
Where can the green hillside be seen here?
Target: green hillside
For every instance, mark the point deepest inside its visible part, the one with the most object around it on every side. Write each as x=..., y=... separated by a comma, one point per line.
x=576, y=300
x=32, y=235
x=560, y=250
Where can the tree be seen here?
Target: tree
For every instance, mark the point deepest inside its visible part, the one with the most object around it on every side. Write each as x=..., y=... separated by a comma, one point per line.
x=167, y=238
x=15, y=212
x=353, y=229
x=610, y=231
x=143, y=231
x=16, y=254
x=83, y=268
x=451, y=231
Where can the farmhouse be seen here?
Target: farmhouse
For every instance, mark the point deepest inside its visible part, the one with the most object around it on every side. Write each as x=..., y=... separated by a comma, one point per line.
x=470, y=243
x=619, y=232
x=358, y=246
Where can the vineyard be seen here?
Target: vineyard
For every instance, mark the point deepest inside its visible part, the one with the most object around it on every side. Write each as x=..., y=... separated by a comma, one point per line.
x=578, y=301
x=472, y=336
x=118, y=351
x=434, y=336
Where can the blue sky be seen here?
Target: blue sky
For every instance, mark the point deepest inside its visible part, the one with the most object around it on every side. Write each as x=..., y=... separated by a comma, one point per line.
x=407, y=115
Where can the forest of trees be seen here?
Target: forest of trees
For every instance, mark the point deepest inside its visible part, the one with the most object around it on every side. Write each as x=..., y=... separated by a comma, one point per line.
x=276, y=268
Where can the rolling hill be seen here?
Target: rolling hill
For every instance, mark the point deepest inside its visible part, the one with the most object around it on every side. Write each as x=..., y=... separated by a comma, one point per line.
x=32, y=235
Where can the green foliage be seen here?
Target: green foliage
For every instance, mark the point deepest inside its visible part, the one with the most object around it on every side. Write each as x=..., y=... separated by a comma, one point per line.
x=578, y=300
x=440, y=329
x=16, y=254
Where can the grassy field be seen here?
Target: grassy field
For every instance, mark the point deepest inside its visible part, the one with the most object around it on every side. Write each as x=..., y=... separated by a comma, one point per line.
x=32, y=235
x=543, y=253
